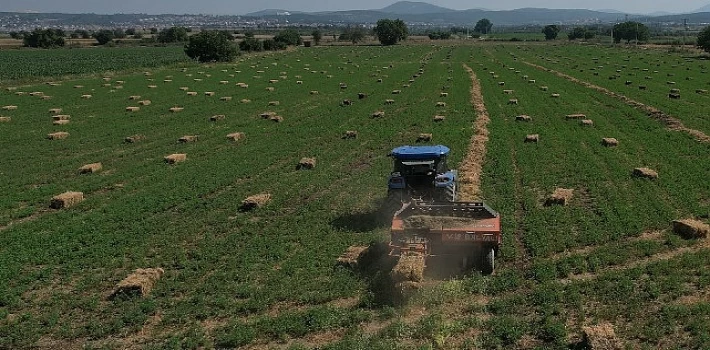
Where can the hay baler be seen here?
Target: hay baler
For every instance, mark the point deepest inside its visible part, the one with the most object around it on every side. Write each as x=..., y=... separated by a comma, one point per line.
x=431, y=224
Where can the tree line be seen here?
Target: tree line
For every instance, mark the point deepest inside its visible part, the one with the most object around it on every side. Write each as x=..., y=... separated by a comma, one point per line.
x=219, y=45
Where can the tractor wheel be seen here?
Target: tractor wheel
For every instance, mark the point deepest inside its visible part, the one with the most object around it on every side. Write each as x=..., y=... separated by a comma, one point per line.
x=488, y=263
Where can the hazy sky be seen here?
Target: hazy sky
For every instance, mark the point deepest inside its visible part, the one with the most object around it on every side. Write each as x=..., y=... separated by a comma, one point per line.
x=246, y=6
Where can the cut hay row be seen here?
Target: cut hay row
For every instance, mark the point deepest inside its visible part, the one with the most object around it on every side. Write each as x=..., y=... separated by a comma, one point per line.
x=472, y=164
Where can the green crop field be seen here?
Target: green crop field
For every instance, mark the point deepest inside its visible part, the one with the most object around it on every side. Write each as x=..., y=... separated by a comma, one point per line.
x=30, y=65
x=267, y=278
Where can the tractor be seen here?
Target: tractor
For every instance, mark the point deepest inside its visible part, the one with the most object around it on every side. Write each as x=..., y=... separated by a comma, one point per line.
x=421, y=172
x=430, y=223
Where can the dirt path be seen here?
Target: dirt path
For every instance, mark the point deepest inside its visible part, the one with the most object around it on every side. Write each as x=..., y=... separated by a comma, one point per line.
x=653, y=112
x=472, y=165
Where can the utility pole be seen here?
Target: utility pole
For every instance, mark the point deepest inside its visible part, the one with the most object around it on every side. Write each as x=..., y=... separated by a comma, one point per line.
x=685, y=30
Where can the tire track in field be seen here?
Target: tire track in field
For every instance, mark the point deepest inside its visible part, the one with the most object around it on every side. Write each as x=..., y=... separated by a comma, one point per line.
x=648, y=236
x=669, y=121
x=664, y=256
x=472, y=165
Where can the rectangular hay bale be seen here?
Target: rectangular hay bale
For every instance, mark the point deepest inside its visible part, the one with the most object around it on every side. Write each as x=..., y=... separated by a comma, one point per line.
x=255, y=201
x=61, y=135
x=175, y=158
x=561, y=196
x=409, y=268
x=610, y=142
x=351, y=257
x=691, y=229
x=66, y=200
x=139, y=283
x=134, y=138
x=645, y=173
x=235, y=136
x=90, y=168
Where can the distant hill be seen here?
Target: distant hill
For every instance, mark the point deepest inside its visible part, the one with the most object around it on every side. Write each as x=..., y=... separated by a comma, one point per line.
x=701, y=17
x=453, y=17
x=412, y=12
x=705, y=8
x=414, y=8
x=270, y=12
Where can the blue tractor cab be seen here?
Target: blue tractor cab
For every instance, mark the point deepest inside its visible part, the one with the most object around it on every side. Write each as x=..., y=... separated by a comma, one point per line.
x=421, y=172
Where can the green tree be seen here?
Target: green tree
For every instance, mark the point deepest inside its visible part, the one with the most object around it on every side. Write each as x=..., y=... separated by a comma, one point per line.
x=352, y=34
x=289, y=37
x=439, y=35
x=212, y=46
x=119, y=33
x=44, y=38
x=551, y=31
x=172, y=35
x=704, y=39
x=576, y=33
x=390, y=32
x=483, y=26
x=631, y=31
x=317, y=36
x=272, y=45
x=131, y=31
x=103, y=36
x=80, y=33
x=251, y=44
